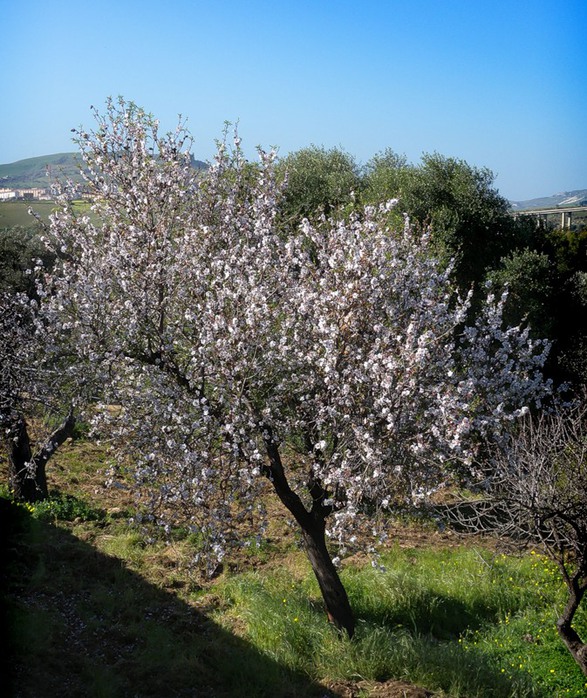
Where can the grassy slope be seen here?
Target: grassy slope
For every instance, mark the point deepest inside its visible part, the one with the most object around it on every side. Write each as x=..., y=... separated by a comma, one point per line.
x=32, y=172
x=15, y=213
x=94, y=611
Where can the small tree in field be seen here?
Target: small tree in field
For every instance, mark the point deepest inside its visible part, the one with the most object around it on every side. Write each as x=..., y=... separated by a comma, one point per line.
x=326, y=362
x=31, y=391
x=536, y=492
x=29, y=387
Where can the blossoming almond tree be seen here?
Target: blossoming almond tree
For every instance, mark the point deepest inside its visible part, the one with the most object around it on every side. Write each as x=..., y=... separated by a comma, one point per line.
x=324, y=362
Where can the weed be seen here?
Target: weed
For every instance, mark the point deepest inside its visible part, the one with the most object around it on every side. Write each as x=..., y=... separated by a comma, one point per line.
x=64, y=507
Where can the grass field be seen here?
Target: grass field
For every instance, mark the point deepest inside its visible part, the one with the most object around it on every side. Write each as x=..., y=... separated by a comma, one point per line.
x=94, y=610
x=16, y=213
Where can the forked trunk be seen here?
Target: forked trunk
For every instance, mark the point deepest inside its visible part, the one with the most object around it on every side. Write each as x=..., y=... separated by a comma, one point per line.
x=313, y=528
x=26, y=484
x=28, y=472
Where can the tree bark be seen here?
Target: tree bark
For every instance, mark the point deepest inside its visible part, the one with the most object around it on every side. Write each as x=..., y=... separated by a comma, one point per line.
x=24, y=486
x=313, y=527
x=27, y=473
x=334, y=594
x=567, y=633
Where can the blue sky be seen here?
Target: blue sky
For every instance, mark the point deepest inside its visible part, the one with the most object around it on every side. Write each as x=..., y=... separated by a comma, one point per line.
x=499, y=83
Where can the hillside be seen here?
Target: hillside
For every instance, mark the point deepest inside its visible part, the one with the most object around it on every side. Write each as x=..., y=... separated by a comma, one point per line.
x=39, y=171
x=577, y=197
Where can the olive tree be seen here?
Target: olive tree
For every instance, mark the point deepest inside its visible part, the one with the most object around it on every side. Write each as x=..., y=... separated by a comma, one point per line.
x=20, y=248
x=328, y=364
x=545, y=275
x=468, y=217
x=319, y=181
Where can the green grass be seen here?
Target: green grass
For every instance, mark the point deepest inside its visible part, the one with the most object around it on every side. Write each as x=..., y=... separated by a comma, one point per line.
x=460, y=621
x=456, y=621
x=93, y=610
x=85, y=623
x=15, y=213
x=64, y=507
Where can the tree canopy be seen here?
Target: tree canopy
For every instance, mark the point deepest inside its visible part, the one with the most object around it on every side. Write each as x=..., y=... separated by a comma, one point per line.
x=319, y=181
x=467, y=216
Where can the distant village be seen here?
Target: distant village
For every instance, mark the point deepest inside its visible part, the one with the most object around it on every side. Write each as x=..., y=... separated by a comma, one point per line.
x=33, y=194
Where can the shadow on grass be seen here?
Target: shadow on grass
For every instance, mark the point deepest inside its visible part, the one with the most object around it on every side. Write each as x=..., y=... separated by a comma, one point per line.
x=418, y=637
x=430, y=613
x=80, y=624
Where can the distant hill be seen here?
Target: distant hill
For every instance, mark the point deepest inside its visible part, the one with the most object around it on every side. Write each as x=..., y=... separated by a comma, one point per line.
x=577, y=197
x=33, y=172
x=38, y=172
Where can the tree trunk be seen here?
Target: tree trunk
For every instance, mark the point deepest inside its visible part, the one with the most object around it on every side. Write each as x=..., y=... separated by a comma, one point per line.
x=26, y=485
x=313, y=528
x=27, y=473
x=567, y=633
x=334, y=594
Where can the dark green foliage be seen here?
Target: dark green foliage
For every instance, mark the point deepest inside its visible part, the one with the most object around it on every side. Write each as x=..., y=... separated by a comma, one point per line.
x=318, y=181
x=530, y=278
x=547, y=283
x=386, y=176
x=468, y=218
x=20, y=248
x=64, y=507
x=567, y=248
